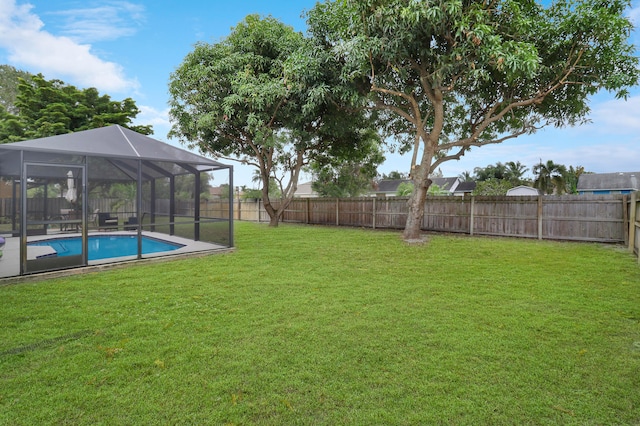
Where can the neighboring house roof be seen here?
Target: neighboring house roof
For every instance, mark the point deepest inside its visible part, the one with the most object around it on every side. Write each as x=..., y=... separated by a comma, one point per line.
x=215, y=191
x=390, y=186
x=523, y=190
x=305, y=190
x=602, y=182
x=465, y=188
x=446, y=184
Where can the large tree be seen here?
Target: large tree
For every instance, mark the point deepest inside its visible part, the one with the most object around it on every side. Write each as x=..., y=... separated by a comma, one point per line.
x=51, y=107
x=263, y=96
x=449, y=75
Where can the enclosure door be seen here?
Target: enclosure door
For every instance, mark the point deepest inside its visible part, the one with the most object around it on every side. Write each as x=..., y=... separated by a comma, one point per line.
x=54, y=224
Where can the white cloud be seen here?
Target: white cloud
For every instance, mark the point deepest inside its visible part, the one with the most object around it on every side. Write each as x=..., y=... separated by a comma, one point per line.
x=159, y=119
x=618, y=116
x=109, y=21
x=28, y=45
x=151, y=115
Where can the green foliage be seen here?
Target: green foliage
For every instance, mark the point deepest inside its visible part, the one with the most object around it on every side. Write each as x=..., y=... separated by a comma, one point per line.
x=404, y=189
x=497, y=171
x=50, y=107
x=274, y=191
x=353, y=177
x=252, y=194
x=121, y=193
x=436, y=190
x=224, y=191
x=501, y=176
x=492, y=186
x=572, y=176
x=333, y=326
x=394, y=175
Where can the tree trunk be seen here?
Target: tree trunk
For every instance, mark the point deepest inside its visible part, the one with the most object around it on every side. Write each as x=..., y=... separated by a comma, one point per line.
x=413, y=227
x=274, y=216
x=421, y=183
x=274, y=221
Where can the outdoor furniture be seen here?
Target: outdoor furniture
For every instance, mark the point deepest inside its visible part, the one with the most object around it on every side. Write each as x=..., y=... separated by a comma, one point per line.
x=94, y=217
x=131, y=224
x=106, y=221
x=69, y=214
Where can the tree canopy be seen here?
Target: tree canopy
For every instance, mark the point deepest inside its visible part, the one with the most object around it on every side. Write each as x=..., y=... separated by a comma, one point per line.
x=50, y=107
x=450, y=75
x=263, y=96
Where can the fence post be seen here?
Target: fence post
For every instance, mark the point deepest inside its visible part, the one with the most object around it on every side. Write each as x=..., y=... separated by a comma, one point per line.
x=259, y=209
x=625, y=218
x=539, y=217
x=632, y=222
x=373, y=221
x=471, y=217
x=337, y=211
x=308, y=212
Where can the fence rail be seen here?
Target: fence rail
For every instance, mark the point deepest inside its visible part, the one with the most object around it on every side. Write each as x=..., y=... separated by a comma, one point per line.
x=598, y=218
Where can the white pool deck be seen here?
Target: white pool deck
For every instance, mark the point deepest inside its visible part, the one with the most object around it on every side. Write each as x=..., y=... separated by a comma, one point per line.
x=10, y=261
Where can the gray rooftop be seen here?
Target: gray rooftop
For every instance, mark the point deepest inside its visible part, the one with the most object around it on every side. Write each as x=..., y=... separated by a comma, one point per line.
x=609, y=181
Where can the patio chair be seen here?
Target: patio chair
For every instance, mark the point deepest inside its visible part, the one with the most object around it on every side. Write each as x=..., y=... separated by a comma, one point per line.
x=131, y=224
x=94, y=217
x=106, y=221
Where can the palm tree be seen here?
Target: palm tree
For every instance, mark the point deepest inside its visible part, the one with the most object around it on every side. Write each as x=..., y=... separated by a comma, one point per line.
x=466, y=176
x=257, y=177
x=514, y=172
x=551, y=177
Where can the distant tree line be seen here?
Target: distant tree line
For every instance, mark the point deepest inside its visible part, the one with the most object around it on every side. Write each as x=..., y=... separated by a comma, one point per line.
x=548, y=178
x=498, y=178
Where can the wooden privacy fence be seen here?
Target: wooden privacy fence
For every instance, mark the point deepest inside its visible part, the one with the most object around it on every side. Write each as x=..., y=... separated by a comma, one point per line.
x=599, y=218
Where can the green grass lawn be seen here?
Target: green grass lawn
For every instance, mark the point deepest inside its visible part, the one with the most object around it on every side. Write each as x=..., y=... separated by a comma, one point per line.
x=312, y=325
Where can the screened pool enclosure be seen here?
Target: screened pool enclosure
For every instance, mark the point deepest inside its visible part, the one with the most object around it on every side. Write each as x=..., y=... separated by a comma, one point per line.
x=105, y=195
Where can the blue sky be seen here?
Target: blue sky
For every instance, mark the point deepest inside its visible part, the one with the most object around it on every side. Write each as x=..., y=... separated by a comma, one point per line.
x=129, y=49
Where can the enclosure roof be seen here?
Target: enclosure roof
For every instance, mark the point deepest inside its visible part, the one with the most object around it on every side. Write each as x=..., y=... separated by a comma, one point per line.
x=115, y=142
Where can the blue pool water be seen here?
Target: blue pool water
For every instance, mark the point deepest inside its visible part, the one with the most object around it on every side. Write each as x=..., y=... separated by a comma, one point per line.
x=106, y=246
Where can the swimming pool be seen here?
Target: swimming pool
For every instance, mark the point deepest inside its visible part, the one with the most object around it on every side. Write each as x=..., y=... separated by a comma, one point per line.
x=107, y=246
